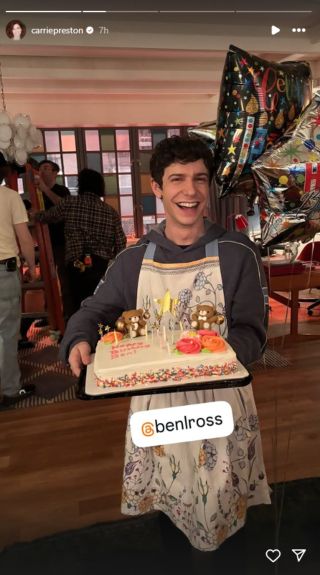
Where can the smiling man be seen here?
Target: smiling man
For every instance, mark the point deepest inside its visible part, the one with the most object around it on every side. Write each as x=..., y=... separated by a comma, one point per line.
x=184, y=189
x=204, y=487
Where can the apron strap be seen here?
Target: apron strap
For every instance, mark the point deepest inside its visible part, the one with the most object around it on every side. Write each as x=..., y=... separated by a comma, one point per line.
x=149, y=253
x=212, y=249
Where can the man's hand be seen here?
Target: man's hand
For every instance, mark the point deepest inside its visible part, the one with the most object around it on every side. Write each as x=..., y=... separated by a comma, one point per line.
x=43, y=186
x=46, y=188
x=79, y=356
x=30, y=275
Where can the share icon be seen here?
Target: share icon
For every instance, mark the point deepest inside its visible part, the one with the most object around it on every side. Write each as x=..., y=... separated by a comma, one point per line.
x=299, y=553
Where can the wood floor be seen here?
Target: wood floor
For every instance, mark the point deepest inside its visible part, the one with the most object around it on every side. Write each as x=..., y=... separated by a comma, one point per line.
x=61, y=464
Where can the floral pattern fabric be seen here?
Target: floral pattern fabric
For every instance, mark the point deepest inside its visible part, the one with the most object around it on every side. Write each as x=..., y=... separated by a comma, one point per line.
x=205, y=487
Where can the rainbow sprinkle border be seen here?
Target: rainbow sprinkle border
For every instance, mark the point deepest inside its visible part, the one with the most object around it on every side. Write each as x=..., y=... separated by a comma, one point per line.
x=162, y=375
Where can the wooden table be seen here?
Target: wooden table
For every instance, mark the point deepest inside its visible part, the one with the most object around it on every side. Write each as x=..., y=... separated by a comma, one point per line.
x=293, y=284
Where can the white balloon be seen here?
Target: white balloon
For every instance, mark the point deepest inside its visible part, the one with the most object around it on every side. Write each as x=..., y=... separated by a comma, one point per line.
x=5, y=154
x=4, y=144
x=11, y=152
x=22, y=120
x=21, y=156
x=29, y=145
x=19, y=144
x=22, y=132
x=39, y=138
x=5, y=118
x=32, y=132
x=5, y=132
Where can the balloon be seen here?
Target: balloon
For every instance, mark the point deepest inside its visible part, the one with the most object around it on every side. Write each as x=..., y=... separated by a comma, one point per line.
x=10, y=152
x=38, y=138
x=19, y=144
x=284, y=227
x=4, y=118
x=288, y=178
x=291, y=169
x=258, y=101
x=22, y=132
x=33, y=133
x=22, y=120
x=207, y=132
x=29, y=144
x=5, y=132
x=21, y=156
x=4, y=144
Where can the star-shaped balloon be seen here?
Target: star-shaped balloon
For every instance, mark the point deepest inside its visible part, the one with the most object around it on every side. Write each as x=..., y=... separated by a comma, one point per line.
x=206, y=132
x=288, y=180
x=261, y=99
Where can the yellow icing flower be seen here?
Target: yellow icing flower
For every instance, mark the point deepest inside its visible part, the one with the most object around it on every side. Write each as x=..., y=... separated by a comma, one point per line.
x=189, y=333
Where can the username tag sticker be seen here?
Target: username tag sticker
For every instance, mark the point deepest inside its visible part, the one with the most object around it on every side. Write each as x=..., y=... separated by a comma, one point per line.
x=181, y=424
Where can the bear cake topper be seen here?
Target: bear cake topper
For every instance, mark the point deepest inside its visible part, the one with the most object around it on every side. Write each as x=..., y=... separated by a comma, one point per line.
x=205, y=317
x=134, y=322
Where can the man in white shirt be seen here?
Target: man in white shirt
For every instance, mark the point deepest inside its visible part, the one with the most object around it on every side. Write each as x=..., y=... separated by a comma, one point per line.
x=13, y=230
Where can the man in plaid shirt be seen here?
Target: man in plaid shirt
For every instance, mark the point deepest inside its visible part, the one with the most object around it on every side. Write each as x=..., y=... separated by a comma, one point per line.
x=93, y=234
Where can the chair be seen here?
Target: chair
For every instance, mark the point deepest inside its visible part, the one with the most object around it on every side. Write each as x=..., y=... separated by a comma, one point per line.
x=310, y=253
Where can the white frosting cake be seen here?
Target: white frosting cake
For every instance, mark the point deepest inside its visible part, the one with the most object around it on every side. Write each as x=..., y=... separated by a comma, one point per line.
x=145, y=361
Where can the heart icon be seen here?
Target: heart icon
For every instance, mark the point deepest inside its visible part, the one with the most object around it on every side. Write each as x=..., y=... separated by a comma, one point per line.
x=273, y=555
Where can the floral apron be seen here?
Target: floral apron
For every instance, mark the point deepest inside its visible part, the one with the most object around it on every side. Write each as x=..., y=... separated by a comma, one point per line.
x=204, y=486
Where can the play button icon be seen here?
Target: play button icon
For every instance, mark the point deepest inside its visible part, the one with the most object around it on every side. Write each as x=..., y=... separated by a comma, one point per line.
x=275, y=30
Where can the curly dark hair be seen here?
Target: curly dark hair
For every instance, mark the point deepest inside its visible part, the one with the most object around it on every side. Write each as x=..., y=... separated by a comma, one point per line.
x=182, y=150
x=10, y=25
x=90, y=181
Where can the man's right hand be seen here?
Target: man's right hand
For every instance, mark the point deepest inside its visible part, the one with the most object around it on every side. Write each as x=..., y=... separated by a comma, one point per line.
x=30, y=275
x=43, y=186
x=79, y=356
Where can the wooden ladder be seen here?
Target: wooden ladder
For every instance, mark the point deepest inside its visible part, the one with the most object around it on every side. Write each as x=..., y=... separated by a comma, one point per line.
x=48, y=281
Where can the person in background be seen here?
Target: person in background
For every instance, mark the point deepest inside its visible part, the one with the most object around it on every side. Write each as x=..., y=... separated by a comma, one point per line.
x=204, y=488
x=13, y=230
x=15, y=30
x=93, y=234
x=53, y=193
x=26, y=322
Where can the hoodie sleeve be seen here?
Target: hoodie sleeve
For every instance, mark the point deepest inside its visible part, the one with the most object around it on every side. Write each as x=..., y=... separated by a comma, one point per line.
x=55, y=214
x=246, y=298
x=116, y=292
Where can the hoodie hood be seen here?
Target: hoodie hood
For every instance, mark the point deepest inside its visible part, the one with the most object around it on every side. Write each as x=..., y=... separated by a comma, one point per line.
x=157, y=236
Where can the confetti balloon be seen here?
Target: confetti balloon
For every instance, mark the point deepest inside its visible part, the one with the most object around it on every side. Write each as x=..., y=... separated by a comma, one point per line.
x=285, y=227
x=258, y=101
x=207, y=132
x=288, y=180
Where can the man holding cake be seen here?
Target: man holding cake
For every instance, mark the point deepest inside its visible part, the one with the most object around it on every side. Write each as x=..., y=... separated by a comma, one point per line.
x=205, y=486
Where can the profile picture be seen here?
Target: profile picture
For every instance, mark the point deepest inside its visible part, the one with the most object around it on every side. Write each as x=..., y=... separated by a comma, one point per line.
x=15, y=30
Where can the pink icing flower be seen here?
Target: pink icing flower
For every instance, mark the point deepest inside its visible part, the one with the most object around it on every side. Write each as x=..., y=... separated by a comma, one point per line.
x=207, y=332
x=189, y=345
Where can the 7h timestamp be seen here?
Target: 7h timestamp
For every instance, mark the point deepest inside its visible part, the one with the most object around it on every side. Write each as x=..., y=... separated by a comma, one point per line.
x=103, y=30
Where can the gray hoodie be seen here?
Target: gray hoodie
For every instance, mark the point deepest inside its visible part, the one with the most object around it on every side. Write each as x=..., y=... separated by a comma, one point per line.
x=243, y=280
